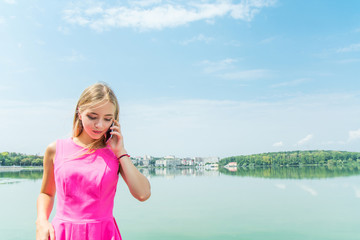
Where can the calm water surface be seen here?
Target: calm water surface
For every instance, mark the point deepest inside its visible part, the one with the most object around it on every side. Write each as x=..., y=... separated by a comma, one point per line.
x=192, y=204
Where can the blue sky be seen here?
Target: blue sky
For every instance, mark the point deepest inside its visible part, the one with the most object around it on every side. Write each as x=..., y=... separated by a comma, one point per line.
x=194, y=78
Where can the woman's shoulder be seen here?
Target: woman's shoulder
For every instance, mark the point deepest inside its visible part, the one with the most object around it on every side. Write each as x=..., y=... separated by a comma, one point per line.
x=50, y=153
x=51, y=148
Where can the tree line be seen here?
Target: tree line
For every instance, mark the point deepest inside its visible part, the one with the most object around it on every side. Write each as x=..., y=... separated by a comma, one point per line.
x=295, y=158
x=19, y=159
x=290, y=158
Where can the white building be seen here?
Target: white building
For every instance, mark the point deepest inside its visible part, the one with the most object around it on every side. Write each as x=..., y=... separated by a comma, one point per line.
x=160, y=163
x=212, y=166
x=203, y=160
x=144, y=162
x=167, y=162
x=187, y=162
x=147, y=157
x=211, y=159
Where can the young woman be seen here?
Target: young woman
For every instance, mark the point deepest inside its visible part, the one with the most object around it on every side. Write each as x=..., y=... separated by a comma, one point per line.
x=84, y=171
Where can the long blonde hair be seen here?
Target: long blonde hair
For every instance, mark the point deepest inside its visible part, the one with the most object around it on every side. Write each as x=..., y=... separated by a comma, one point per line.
x=91, y=96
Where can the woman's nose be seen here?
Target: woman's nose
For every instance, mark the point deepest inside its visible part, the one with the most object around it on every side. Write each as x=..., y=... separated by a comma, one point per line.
x=99, y=124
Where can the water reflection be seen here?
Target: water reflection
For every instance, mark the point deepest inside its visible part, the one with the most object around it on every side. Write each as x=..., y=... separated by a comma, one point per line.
x=295, y=172
x=172, y=172
x=11, y=176
x=310, y=172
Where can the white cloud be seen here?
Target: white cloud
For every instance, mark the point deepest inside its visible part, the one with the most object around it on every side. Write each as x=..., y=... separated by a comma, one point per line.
x=40, y=42
x=5, y=88
x=278, y=144
x=246, y=75
x=226, y=69
x=10, y=1
x=25, y=70
x=2, y=20
x=329, y=143
x=146, y=15
x=210, y=21
x=234, y=43
x=192, y=127
x=63, y=30
x=349, y=60
x=268, y=40
x=354, y=135
x=145, y=3
x=290, y=83
x=351, y=48
x=247, y=126
x=198, y=38
x=210, y=66
x=305, y=139
x=74, y=57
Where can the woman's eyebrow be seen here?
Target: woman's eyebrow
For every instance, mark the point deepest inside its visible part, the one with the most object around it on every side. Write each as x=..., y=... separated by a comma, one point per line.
x=105, y=114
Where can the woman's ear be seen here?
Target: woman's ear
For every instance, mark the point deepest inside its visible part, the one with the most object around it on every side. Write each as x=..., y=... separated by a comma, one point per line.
x=79, y=115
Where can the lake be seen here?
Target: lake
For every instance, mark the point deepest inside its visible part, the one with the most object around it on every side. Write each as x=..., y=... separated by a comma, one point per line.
x=272, y=203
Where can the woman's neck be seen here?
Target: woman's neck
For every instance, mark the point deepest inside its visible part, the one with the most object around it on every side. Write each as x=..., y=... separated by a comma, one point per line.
x=84, y=140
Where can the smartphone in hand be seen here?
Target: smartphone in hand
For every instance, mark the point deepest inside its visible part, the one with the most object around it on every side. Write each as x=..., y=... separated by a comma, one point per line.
x=108, y=135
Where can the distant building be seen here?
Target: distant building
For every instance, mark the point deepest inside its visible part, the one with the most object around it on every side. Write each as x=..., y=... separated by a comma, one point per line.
x=134, y=161
x=231, y=166
x=187, y=161
x=201, y=161
x=160, y=163
x=172, y=161
x=168, y=161
x=144, y=162
x=211, y=159
x=212, y=166
x=147, y=157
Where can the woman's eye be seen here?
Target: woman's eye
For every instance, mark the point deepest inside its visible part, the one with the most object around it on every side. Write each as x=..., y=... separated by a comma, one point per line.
x=108, y=120
x=92, y=118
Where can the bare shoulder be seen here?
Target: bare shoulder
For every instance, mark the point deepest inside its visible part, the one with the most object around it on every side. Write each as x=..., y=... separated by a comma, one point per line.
x=48, y=183
x=51, y=148
x=50, y=152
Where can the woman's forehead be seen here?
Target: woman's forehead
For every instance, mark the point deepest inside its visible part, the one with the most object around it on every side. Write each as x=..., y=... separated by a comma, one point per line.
x=103, y=107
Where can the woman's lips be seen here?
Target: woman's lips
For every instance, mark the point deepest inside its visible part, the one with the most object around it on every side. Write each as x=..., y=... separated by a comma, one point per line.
x=97, y=132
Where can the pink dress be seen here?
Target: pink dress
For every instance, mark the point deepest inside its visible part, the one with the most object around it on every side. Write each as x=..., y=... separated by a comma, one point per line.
x=85, y=188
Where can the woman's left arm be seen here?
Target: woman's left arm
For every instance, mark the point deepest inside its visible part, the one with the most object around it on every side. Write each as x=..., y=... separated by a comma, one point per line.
x=138, y=184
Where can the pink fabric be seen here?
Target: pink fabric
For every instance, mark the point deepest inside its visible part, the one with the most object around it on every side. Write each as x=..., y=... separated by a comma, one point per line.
x=85, y=188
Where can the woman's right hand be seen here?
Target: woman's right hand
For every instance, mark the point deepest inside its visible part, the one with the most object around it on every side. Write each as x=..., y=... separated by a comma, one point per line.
x=44, y=229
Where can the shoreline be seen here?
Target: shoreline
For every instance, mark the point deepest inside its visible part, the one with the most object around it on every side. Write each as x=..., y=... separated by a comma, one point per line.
x=19, y=168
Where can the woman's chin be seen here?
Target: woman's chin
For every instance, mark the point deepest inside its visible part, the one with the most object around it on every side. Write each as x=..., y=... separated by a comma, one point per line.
x=95, y=136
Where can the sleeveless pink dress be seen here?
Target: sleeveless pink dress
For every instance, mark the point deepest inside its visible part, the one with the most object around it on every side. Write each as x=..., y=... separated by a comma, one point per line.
x=85, y=188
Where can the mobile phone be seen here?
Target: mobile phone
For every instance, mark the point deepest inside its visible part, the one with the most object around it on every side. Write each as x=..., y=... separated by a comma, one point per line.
x=108, y=135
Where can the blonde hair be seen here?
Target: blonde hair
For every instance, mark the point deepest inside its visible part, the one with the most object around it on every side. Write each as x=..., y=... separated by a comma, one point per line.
x=90, y=97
